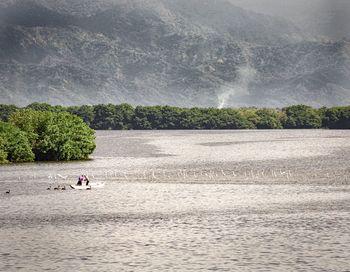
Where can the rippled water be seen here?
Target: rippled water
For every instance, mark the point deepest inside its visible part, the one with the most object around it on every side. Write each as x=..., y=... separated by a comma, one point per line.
x=185, y=201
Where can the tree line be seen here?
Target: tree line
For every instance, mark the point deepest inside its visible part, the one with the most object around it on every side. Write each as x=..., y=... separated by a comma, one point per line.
x=28, y=135
x=125, y=117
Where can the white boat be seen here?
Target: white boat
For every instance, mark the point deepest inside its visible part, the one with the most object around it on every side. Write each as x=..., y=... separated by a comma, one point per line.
x=92, y=185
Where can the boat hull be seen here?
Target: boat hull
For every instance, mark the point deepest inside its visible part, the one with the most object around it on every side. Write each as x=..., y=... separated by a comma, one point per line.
x=88, y=187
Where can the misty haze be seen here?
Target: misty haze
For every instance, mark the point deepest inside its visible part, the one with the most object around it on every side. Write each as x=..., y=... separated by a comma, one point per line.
x=175, y=52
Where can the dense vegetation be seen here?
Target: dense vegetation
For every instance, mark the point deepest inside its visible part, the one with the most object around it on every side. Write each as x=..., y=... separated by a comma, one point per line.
x=44, y=132
x=14, y=145
x=125, y=116
x=29, y=135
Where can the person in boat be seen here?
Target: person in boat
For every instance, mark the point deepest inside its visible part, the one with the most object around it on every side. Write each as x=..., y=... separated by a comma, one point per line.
x=81, y=179
x=87, y=180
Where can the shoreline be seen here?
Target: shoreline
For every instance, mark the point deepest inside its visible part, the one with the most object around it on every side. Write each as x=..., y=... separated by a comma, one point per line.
x=191, y=159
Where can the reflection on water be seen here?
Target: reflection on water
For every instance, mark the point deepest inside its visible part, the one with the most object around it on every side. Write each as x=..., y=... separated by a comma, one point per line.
x=164, y=210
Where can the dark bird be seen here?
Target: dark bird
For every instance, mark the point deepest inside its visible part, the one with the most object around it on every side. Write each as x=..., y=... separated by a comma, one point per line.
x=8, y=191
x=49, y=188
x=63, y=188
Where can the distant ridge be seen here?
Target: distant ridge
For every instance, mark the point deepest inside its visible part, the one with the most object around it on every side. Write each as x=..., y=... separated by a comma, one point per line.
x=175, y=52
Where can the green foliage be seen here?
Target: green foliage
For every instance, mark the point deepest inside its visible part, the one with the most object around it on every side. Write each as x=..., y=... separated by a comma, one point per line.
x=148, y=117
x=301, y=116
x=112, y=116
x=55, y=135
x=269, y=119
x=227, y=119
x=3, y=153
x=14, y=145
x=85, y=112
x=171, y=117
x=166, y=117
x=190, y=119
x=30, y=122
x=44, y=107
x=250, y=115
x=125, y=116
x=6, y=111
x=104, y=117
x=336, y=118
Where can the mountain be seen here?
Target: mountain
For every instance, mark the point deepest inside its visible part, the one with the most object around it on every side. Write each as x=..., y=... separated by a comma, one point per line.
x=175, y=52
x=329, y=18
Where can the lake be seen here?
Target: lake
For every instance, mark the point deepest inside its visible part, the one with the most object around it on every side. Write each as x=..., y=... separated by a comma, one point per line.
x=184, y=201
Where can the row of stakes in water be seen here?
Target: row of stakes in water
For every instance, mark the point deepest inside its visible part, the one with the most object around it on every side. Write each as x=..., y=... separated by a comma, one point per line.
x=185, y=174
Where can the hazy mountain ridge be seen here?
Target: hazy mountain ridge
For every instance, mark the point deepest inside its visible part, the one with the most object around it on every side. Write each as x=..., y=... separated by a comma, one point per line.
x=328, y=18
x=154, y=52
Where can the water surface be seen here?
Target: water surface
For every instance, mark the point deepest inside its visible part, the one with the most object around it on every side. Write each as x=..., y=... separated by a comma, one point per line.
x=184, y=201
